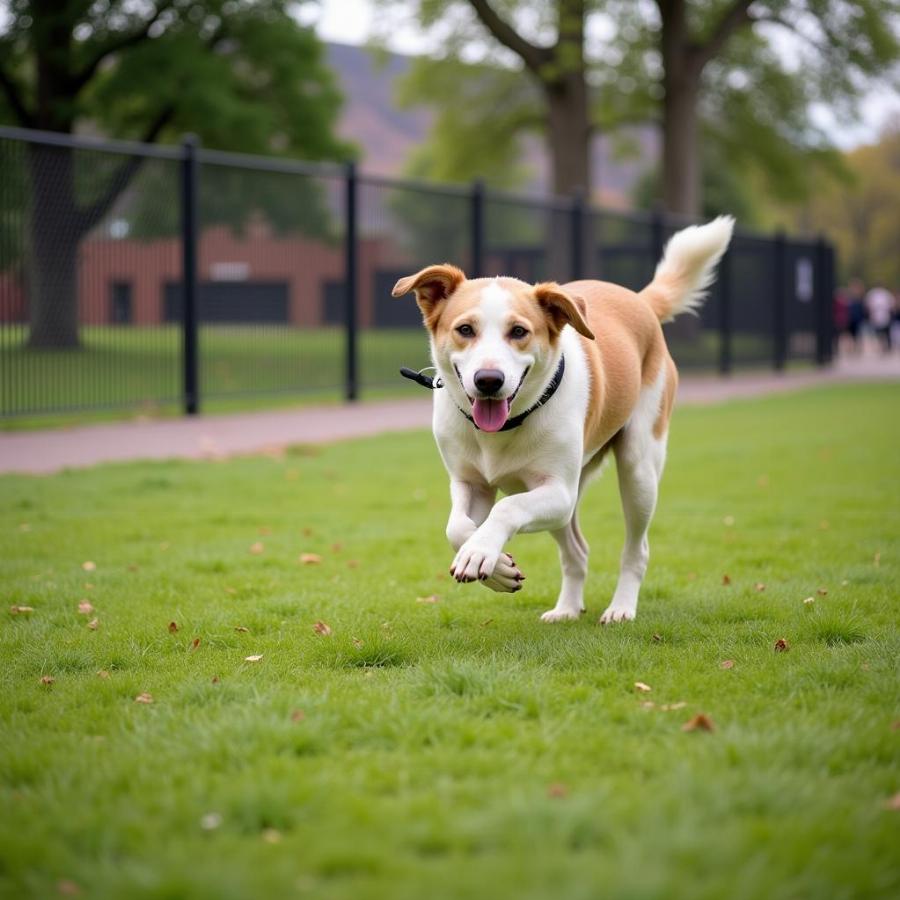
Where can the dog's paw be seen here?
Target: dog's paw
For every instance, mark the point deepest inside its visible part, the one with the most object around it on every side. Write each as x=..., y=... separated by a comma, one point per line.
x=475, y=561
x=618, y=612
x=507, y=578
x=561, y=615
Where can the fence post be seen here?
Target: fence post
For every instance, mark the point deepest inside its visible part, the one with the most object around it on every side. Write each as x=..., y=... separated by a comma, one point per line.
x=724, y=280
x=351, y=277
x=831, y=282
x=189, y=178
x=477, y=229
x=823, y=291
x=578, y=217
x=779, y=301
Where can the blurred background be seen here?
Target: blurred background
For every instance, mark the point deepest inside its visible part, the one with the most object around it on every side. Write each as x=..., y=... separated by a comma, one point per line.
x=335, y=146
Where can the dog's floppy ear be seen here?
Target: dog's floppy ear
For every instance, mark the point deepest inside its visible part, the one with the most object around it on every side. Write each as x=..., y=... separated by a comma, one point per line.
x=562, y=308
x=432, y=285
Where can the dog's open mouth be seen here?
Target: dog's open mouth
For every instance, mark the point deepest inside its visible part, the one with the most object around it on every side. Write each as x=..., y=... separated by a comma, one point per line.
x=490, y=413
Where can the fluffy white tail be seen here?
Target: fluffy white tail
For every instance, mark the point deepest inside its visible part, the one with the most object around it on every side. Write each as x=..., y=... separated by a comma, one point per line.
x=687, y=268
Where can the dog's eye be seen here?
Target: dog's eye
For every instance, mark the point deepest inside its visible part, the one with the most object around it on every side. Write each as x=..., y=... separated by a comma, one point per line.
x=466, y=331
x=517, y=332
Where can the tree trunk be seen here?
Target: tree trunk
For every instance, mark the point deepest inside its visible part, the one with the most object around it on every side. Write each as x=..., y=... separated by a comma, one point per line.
x=681, y=87
x=569, y=135
x=681, y=165
x=54, y=233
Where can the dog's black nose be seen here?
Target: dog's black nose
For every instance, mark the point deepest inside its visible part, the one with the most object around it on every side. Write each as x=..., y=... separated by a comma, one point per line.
x=489, y=381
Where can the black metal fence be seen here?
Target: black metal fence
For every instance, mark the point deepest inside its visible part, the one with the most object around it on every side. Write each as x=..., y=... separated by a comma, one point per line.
x=138, y=276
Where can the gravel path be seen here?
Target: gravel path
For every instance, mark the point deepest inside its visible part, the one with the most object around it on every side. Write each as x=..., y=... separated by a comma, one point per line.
x=210, y=437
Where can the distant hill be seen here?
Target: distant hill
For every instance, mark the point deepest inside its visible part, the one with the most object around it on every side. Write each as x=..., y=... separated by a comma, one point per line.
x=386, y=134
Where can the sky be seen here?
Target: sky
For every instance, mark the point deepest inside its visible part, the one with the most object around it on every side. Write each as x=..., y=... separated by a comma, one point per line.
x=352, y=21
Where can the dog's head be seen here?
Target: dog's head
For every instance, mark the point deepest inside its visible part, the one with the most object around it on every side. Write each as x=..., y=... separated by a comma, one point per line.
x=499, y=335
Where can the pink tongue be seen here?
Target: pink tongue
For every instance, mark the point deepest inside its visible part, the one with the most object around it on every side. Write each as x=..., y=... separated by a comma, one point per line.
x=490, y=415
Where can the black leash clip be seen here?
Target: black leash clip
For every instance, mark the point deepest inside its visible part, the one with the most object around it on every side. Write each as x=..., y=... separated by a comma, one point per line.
x=420, y=378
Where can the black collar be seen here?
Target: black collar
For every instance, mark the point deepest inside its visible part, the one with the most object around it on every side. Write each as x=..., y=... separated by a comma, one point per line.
x=515, y=421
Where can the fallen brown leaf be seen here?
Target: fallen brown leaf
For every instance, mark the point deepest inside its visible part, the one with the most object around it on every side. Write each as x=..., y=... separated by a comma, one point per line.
x=68, y=888
x=20, y=610
x=94, y=624
x=336, y=547
x=173, y=627
x=822, y=592
x=669, y=707
x=726, y=664
x=726, y=580
x=133, y=567
x=271, y=835
x=85, y=607
x=264, y=530
x=640, y=686
x=895, y=726
x=352, y=563
x=144, y=698
x=47, y=679
x=657, y=639
x=432, y=598
x=759, y=586
x=103, y=674
x=486, y=622
x=357, y=643
x=782, y=646
x=256, y=657
x=257, y=548
x=310, y=559
x=241, y=630
x=89, y=566
x=215, y=679
x=298, y=715
x=893, y=803
x=195, y=643
x=307, y=532
x=557, y=790
x=700, y=722
x=322, y=628
x=88, y=586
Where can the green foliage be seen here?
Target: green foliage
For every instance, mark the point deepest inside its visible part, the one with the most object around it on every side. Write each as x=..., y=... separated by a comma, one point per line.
x=484, y=113
x=243, y=76
x=464, y=747
x=860, y=212
x=755, y=100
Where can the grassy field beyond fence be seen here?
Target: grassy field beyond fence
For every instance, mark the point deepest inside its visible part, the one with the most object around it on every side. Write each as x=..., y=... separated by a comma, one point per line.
x=192, y=706
x=140, y=368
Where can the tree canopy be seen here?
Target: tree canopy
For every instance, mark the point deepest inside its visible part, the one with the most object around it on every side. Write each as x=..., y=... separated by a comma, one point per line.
x=760, y=66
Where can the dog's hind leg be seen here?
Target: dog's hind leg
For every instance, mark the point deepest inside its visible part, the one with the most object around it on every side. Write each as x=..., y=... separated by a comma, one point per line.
x=573, y=559
x=639, y=465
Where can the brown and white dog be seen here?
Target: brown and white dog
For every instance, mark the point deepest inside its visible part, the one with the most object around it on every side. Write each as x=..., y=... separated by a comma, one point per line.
x=539, y=381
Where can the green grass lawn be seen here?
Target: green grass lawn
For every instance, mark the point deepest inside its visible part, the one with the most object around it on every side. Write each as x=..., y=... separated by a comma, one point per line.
x=458, y=748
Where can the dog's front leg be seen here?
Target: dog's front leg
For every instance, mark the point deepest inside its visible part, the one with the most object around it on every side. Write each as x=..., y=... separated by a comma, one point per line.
x=469, y=507
x=547, y=507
